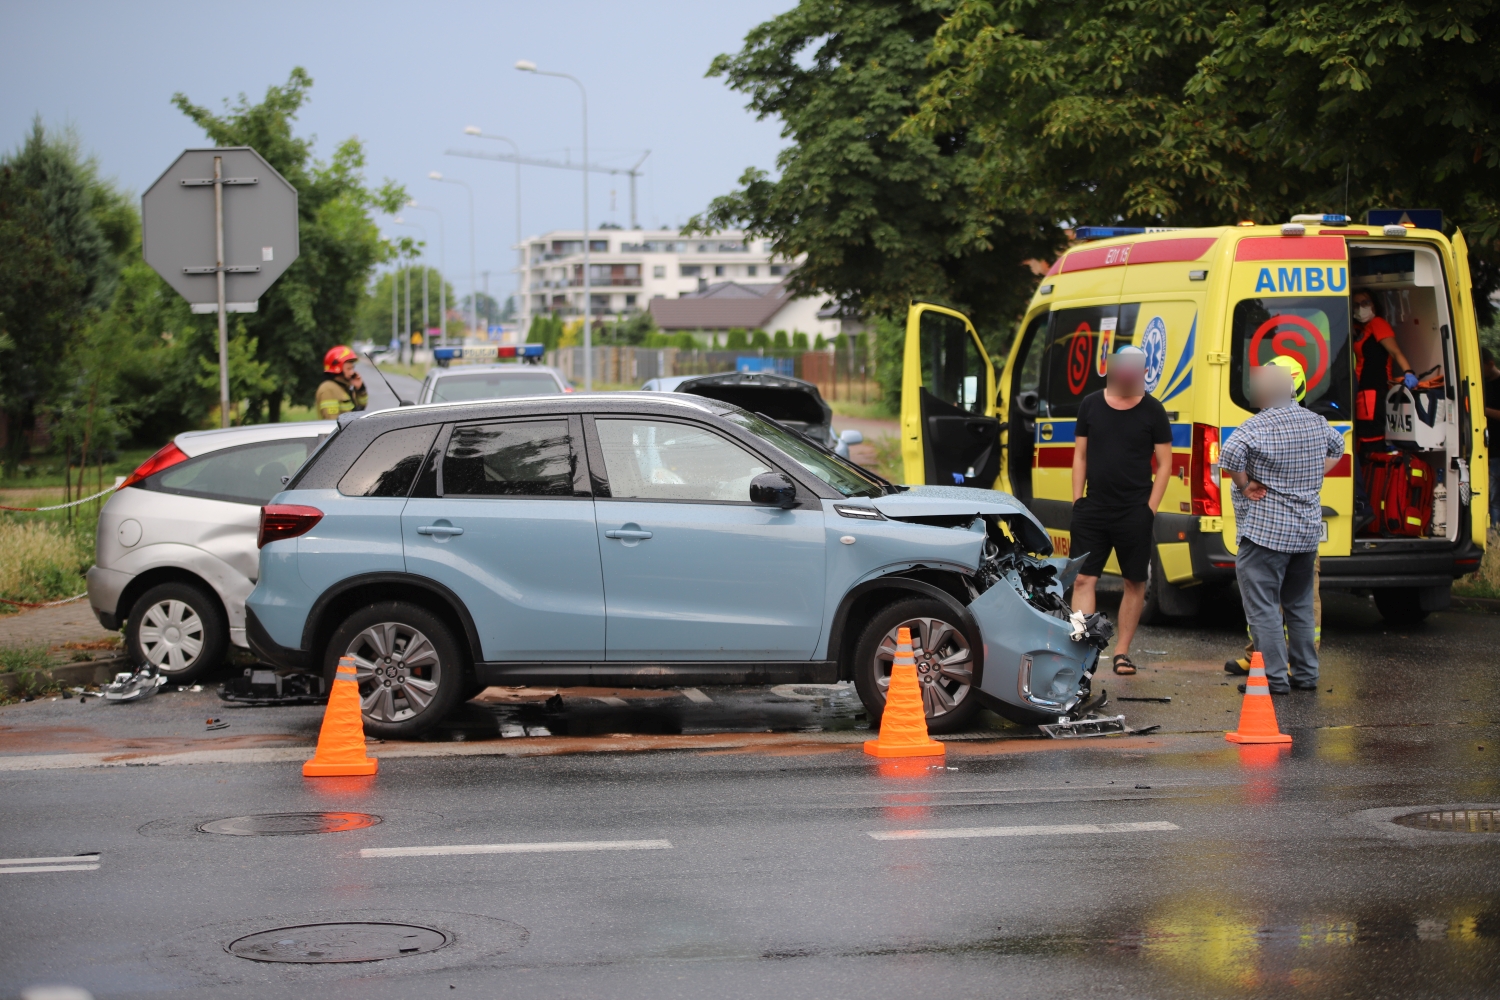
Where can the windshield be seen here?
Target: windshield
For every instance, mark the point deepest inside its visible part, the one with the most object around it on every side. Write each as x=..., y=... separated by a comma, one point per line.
x=493, y=385
x=848, y=479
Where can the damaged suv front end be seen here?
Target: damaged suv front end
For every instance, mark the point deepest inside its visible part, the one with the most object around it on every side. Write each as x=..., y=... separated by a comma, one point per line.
x=1039, y=657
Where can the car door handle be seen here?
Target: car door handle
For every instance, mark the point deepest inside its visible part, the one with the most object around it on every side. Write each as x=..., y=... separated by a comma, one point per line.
x=439, y=529
x=635, y=534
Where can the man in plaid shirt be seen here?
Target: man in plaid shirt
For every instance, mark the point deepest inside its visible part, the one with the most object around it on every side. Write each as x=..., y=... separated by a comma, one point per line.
x=1277, y=460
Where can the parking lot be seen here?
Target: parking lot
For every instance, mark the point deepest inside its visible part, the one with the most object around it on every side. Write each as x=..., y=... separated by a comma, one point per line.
x=734, y=841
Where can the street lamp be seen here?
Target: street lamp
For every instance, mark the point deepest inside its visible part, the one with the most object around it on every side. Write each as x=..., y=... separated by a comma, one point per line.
x=442, y=274
x=473, y=275
x=527, y=66
x=475, y=130
x=423, y=230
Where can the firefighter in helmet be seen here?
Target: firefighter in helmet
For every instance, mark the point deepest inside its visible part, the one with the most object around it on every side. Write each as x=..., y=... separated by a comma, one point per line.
x=342, y=390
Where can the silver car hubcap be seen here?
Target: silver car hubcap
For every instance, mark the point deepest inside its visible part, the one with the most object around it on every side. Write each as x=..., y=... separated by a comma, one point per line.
x=945, y=663
x=398, y=671
x=171, y=636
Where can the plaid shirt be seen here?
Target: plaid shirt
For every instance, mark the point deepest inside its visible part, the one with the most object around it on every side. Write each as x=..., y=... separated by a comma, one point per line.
x=1282, y=448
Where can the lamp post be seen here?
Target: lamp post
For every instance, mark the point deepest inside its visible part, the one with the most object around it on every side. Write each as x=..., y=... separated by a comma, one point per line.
x=473, y=278
x=423, y=230
x=442, y=274
x=476, y=131
x=527, y=66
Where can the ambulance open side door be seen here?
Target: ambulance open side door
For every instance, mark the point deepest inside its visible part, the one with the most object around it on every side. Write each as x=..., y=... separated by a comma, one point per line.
x=950, y=435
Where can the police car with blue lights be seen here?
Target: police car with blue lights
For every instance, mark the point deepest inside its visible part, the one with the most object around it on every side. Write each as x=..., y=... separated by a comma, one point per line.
x=473, y=378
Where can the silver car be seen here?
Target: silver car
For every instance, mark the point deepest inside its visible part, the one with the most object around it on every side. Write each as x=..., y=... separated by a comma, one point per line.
x=176, y=552
x=470, y=383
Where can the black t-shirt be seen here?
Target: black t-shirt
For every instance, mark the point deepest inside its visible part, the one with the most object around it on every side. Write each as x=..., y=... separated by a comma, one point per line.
x=1492, y=402
x=1119, y=448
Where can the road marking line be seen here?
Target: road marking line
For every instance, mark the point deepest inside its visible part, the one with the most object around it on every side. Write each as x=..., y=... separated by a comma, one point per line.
x=696, y=696
x=48, y=868
x=610, y=700
x=1021, y=831
x=71, y=858
x=560, y=845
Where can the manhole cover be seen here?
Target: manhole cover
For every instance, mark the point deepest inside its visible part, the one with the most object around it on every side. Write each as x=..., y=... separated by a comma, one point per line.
x=1453, y=820
x=345, y=942
x=289, y=824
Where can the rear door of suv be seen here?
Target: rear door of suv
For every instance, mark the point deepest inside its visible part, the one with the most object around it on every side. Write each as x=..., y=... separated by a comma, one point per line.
x=508, y=526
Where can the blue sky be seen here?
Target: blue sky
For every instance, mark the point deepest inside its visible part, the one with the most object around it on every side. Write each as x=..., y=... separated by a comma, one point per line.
x=407, y=78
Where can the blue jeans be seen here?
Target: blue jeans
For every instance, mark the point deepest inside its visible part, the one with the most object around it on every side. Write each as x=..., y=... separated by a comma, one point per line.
x=1276, y=585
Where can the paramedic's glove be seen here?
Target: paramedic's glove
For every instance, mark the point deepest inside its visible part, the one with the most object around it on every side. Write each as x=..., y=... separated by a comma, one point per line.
x=1409, y=380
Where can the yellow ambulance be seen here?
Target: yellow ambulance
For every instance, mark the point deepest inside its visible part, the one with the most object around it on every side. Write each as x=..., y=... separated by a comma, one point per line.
x=1205, y=305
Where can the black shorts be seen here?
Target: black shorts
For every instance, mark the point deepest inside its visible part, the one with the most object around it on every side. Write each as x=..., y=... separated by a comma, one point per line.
x=1127, y=530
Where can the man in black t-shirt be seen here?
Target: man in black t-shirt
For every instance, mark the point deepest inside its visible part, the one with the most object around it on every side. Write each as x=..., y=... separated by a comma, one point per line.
x=1119, y=431
x=1491, y=373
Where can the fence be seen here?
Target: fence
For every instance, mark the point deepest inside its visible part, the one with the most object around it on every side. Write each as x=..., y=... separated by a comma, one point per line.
x=841, y=374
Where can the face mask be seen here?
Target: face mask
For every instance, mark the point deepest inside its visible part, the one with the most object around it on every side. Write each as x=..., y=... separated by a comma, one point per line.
x=1364, y=313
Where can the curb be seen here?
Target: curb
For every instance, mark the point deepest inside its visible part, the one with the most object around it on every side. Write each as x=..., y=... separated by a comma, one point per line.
x=100, y=671
x=1487, y=605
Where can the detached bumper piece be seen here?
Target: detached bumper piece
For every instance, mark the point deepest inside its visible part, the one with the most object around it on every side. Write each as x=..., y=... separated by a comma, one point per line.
x=1110, y=725
x=259, y=686
x=138, y=686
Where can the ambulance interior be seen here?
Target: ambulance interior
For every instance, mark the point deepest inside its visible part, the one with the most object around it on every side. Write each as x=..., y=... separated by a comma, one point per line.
x=1409, y=291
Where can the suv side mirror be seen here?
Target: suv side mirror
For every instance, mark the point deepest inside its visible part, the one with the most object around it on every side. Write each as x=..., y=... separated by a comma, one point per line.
x=773, y=489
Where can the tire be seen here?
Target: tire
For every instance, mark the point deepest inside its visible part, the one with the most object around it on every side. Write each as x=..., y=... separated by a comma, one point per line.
x=1165, y=602
x=179, y=629
x=400, y=699
x=1399, y=605
x=949, y=702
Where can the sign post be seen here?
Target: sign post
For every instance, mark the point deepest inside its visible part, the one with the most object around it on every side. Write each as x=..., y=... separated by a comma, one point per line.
x=257, y=223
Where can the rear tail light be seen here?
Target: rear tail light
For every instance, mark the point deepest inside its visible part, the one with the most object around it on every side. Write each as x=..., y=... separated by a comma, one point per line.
x=167, y=457
x=1203, y=473
x=285, y=520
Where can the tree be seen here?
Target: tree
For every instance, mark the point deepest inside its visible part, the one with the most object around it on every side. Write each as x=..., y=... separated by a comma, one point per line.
x=1187, y=113
x=373, y=319
x=60, y=241
x=883, y=216
x=314, y=304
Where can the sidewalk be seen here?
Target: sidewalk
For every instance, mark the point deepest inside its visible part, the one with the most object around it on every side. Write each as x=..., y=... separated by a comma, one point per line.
x=51, y=627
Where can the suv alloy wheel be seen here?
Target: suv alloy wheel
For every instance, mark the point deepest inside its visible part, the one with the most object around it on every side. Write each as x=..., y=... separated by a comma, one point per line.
x=944, y=662
x=408, y=666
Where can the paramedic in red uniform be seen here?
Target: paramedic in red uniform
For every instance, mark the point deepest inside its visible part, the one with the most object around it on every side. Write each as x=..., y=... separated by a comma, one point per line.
x=1374, y=350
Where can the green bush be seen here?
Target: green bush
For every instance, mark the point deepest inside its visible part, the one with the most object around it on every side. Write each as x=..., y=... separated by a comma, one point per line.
x=738, y=340
x=760, y=339
x=799, y=341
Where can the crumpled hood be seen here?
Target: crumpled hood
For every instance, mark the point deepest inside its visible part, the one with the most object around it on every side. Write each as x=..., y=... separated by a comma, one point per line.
x=938, y=501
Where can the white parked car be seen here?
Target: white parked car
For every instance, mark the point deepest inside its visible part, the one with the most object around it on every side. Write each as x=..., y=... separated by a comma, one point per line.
x=470, y=383
x=176, y=552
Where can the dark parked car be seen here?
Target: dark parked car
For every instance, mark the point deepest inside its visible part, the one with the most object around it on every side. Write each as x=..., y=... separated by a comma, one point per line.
x=788, y=401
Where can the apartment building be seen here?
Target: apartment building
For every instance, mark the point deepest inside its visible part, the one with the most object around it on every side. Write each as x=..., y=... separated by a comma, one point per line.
x=630, y=267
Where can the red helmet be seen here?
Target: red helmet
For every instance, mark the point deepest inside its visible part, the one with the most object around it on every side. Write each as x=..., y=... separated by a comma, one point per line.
x=334, y=360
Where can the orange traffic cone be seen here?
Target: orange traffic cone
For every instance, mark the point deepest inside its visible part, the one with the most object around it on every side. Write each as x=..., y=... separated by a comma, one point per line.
x=903, y=725
x=1257, y=714
x=341, y=743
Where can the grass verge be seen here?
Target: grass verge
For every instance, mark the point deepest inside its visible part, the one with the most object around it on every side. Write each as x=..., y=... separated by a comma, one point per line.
x=1484, y=582
x=43, y=556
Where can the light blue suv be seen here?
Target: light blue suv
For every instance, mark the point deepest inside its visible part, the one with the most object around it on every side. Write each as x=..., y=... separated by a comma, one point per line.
x=650, y=540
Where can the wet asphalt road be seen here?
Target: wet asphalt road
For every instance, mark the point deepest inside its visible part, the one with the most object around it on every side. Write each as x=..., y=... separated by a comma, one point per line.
x=1246, y=873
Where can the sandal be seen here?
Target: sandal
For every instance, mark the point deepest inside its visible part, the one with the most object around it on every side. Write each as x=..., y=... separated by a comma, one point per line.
x=1122, y=665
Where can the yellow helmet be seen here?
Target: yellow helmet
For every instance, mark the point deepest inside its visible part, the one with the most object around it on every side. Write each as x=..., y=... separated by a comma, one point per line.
x=1299, y=377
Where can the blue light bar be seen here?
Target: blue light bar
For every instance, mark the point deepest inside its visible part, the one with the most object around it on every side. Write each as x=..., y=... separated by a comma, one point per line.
x=486, y=352
x=1105, y=232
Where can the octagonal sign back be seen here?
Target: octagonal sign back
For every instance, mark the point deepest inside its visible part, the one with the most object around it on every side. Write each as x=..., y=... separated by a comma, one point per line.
x=260, y=226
